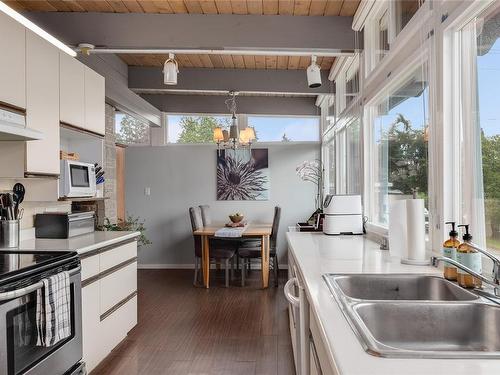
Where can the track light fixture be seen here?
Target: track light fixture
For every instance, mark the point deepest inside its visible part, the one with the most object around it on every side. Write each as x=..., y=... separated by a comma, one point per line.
x=170, y=70
x=313, y=74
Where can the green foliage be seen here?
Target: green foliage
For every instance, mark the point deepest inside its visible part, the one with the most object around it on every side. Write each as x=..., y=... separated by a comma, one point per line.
x=133, y=131
x=133, y=224
x=408, y=157
x=491, y=179
x=199, y=129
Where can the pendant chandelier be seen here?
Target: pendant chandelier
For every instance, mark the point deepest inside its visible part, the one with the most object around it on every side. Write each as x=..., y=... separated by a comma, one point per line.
x=234, y=137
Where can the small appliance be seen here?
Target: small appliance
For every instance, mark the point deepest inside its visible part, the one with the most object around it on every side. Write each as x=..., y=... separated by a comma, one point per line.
x=64, y=225
x=343, y=214
x=77, y=179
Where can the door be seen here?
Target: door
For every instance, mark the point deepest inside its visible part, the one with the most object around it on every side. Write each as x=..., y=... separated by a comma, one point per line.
x=72, y=91
x=42, y=101
x=94, y=102
x=120, y=183
x=12, y=62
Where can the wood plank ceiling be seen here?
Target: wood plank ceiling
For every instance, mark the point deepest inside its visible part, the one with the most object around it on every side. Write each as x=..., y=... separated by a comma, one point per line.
x=268, y=7
x=244, y=7
x=229, y=61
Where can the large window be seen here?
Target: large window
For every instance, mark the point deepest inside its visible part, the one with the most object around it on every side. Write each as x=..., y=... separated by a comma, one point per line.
x=353, y=157
x=194, y=128
x=199, y=128
x=481, y=172
x=400, y=145
x=404, y=10
x=285, y=129
x=130, y=130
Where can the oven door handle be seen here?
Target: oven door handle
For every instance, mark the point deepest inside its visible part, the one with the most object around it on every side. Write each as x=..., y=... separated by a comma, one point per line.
x=31, y=288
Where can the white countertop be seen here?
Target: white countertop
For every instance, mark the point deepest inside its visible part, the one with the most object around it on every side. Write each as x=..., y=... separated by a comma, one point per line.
x=81, y=244
x=316, y=254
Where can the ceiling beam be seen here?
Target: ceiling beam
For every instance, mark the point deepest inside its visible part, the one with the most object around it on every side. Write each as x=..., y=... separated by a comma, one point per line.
x=252, y=81
x=215, y=104
x=200, y=31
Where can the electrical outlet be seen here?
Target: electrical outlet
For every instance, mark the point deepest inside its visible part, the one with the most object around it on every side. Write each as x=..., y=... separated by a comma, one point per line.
x=147, y=191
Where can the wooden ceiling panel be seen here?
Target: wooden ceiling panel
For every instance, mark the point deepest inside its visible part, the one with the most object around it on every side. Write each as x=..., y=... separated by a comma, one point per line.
x=266, y=7
x=270, y=62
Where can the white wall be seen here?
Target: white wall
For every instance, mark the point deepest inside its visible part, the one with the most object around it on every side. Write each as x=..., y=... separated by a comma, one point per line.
x=181, y=176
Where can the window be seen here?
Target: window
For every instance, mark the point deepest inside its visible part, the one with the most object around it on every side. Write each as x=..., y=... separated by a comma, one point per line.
x=353, y=157
x=194, y=128
x=382, y=35
x=404, y=10
x=400, y=145
x=285, y=129
x=130, y=130
x=481, y=127
x=352, y=82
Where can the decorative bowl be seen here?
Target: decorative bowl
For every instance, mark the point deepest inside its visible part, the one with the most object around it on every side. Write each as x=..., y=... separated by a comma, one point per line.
x=236, y=218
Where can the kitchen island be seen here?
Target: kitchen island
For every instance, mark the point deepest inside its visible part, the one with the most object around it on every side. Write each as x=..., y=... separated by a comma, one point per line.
x=338, y=349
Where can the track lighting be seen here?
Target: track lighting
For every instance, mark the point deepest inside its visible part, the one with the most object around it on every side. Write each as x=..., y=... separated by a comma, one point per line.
x=170, y=70
x=313, y=74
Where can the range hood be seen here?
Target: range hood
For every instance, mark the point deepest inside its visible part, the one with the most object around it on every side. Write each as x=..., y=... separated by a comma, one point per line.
x=13, y=127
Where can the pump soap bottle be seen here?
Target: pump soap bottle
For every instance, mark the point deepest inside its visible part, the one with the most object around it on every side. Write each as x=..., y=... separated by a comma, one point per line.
x=470, y=258
x=450, y=251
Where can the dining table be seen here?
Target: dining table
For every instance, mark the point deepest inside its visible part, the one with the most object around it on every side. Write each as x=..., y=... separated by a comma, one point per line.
x=261, y=231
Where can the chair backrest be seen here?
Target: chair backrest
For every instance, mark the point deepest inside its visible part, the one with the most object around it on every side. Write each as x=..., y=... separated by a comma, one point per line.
x=196, y=223
x=276, y=225
x=205, y=214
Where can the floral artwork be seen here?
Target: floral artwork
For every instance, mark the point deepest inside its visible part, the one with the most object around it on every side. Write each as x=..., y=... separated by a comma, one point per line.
x=243, y=174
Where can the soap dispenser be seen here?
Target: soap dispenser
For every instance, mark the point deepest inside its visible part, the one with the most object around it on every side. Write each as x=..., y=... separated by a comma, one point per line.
x=450, y=251
x=470, y=258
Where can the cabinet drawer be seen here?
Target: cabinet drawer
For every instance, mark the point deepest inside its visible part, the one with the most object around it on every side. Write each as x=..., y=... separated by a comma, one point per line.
x=116, y=326
x=117, y=286
x=90, y=267
x=120, y=254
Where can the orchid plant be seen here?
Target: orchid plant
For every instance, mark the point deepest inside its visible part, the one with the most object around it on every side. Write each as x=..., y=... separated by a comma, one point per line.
x=312, y=171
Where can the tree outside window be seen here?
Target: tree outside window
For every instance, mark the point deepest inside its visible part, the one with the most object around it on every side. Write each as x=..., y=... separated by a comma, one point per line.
x=130, y=130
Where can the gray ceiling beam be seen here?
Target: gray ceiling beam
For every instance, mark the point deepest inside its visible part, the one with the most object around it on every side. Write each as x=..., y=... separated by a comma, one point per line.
x=144, y=79
x=200, y=31
x=214, y=104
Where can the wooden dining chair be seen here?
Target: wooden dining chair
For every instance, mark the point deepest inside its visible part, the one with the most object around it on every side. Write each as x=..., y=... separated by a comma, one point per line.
x=252, y=250
x=218, y=253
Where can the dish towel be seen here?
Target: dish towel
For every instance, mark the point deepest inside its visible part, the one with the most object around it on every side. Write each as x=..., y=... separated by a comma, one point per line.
x=230, y=232
x=53, y=310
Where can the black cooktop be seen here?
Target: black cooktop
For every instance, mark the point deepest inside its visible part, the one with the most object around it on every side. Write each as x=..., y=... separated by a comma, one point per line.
x=24, y=264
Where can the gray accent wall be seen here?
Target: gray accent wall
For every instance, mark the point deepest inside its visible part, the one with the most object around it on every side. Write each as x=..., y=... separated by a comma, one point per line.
x=181, y=176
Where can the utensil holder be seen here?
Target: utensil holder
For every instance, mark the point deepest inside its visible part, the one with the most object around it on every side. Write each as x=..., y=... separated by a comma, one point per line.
x=9, y=233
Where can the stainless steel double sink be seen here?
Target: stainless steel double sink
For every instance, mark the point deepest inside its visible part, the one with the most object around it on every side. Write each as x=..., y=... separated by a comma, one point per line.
x=417, y=316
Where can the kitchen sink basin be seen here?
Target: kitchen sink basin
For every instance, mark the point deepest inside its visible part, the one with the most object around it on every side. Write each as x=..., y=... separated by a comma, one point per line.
x=428, y=330
x=417, y=316
x=397, y=287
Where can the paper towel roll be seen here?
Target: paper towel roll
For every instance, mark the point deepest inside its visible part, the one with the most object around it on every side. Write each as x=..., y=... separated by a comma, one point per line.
x=397, y=228
x=415, y=226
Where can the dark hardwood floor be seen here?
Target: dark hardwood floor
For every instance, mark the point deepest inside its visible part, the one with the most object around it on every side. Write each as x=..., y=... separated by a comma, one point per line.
x=194, y=331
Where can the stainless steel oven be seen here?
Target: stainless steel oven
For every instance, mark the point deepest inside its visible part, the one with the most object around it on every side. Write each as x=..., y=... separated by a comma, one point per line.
x=19, y=353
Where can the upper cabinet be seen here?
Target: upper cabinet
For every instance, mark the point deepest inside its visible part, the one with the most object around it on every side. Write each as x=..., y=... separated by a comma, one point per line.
x=42, y=104
x=82, y=96
x=12, y=62
x=94, y=102
x=72, y=91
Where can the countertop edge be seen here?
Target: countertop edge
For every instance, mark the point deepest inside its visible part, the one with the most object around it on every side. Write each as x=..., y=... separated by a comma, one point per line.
x=100, y=244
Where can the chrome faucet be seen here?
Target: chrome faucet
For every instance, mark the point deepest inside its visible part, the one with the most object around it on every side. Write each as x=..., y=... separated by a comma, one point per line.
x=495, y=282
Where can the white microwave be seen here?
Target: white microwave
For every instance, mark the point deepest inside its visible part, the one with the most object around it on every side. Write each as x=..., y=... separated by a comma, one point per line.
x=77, y=179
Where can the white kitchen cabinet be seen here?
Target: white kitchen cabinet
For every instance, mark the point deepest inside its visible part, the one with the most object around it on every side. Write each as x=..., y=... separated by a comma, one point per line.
x=12, y=62
x=319, y=363
x=72, y=91
x=42, y=104
x=109, y=299
x=94, y=102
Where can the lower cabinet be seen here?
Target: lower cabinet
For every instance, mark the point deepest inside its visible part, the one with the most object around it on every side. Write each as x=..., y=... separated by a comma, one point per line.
x=319, y=362
x=109, y=300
